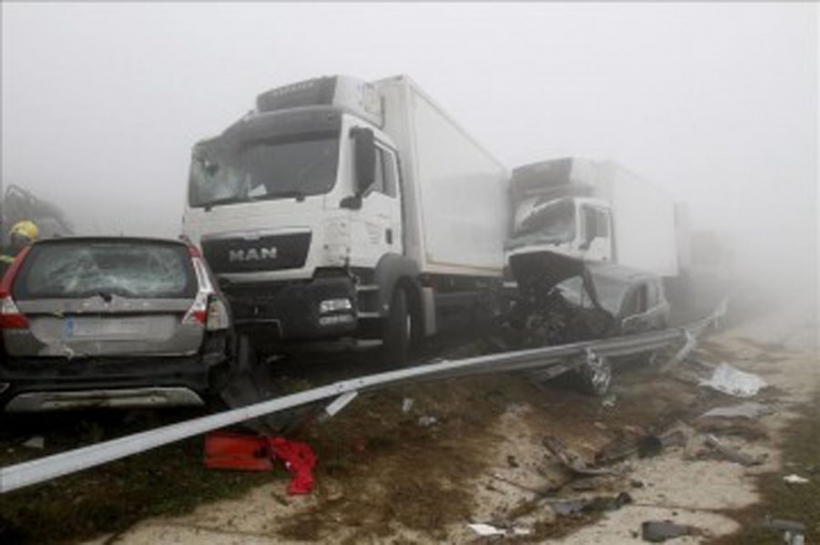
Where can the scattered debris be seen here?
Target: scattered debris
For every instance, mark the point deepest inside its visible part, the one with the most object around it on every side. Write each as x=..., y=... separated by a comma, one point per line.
x=254, y=453
x=235, y=451
x=795, y=479
x=299, y=459
x=584, y=485
x=338, y=404
x=635, y=483
x=750, y=430
x=608, y=503
x=598, y=503
x=407, y=405
x=734, y=382
x=490, y=530
x=512, y=462
x=793, y=532
x=680, y=355
x=427, y=421
x=750, y=410
x=568, y=508
x=658, y=531
x=538, y=493
x=636, y=441
x=571, y=459
x=609, y=401
x=649, y=446
x=37, y=442
x=732, y=454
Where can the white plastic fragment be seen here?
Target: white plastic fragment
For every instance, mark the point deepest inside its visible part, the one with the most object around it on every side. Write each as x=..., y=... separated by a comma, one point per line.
x=340, y=402
x=427, y=421
x=37, y=442
x=795, y=479
x=490, y=530
x=407, y=405
x=734, y=382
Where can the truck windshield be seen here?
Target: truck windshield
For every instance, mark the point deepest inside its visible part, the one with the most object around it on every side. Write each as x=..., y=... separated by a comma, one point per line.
x=553, y=221
x=264, y=170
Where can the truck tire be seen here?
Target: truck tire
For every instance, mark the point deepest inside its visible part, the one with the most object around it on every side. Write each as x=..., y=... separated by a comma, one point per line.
x=595, y=375
x=397, y=333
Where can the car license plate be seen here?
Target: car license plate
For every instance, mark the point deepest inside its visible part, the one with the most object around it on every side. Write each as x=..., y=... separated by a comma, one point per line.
x=104, y=327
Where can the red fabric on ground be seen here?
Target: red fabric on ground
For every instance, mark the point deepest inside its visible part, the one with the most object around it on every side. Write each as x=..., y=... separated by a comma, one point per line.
x=299, y=459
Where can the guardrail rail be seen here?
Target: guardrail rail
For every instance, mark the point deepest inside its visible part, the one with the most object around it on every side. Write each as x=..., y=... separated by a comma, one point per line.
x=50, y=467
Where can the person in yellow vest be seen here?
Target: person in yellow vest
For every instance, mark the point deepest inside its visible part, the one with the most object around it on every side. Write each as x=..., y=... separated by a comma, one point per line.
x=21, y=235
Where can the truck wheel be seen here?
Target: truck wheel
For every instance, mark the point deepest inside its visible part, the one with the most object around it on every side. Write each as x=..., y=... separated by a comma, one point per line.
x=398, y=331
x=595, y=375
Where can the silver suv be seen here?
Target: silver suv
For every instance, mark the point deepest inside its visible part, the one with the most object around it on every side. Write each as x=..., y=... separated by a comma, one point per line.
x=112, y=322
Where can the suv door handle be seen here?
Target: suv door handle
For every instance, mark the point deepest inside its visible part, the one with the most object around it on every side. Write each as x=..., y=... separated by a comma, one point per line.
x=388, y=235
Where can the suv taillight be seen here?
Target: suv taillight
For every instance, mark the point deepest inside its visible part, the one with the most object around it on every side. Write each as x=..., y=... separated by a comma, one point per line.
x=208, y=309
x=218, y=317
x=10, y=315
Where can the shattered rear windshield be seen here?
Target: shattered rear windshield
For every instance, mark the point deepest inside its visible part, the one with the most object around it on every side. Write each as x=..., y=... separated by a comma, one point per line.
x=85, y=269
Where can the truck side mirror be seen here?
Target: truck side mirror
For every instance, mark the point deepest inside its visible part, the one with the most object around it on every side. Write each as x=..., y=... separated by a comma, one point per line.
x=365, y=158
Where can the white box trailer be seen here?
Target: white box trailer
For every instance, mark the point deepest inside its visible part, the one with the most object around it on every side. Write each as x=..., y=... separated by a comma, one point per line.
x=344, y=208
x=643, y=220
x=455, y=190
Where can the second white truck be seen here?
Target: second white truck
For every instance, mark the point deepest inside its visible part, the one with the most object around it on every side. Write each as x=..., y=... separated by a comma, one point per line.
x=594, y=211
x=344, y=208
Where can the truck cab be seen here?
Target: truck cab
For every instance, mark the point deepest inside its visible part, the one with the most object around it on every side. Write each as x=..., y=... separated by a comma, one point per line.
x=331, y=211
x=575, y=227
x=288, y=202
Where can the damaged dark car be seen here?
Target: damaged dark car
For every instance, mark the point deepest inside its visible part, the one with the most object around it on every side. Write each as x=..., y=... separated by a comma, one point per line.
x=564, y=300
x=110, y=322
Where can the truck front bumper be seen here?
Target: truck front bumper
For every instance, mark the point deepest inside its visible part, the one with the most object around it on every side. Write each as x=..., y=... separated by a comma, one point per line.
x=321, y=308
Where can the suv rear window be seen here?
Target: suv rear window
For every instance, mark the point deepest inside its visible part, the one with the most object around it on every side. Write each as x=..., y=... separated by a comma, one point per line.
x=126, y=268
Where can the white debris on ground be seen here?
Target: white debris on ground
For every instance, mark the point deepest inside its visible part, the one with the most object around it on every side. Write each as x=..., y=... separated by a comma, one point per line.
x=795, y=479
x=734, y=382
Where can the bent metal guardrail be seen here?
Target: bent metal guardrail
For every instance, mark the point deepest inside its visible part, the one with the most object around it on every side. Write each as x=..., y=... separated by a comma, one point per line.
x=64, y=463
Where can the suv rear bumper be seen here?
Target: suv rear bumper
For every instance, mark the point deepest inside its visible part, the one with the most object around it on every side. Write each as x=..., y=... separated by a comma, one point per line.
x=51, y=384
x=130, y=398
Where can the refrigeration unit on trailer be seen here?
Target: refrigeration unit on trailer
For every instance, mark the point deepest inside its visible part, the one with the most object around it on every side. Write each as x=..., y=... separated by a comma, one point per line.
x=344, y=208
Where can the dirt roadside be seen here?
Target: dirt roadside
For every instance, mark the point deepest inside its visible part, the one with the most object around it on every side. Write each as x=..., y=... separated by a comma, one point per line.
x=388, y=476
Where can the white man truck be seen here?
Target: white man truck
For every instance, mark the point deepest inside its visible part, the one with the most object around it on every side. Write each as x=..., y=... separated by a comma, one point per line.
x=594, y=211
x=339, y=208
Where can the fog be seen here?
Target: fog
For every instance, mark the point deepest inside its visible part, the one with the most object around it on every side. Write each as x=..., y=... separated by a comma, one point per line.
x=716, y=103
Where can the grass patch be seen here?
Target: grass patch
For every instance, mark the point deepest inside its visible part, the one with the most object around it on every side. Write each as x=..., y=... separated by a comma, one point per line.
x=169, y=480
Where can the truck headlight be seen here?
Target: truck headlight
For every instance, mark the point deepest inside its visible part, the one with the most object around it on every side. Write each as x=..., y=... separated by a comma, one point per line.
x=334, y=305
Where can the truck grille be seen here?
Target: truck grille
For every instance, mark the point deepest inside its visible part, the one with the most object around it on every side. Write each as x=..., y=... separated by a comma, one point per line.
x=264, y=253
